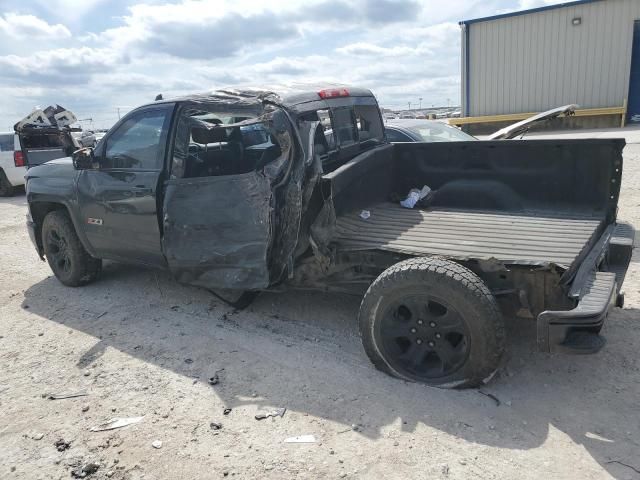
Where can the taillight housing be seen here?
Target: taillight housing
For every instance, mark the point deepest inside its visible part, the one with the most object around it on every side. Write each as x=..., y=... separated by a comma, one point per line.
x=333, y=93
x=18, y=158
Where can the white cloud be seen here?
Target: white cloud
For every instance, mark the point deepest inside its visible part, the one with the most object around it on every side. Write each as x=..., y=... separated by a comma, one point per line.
x=68, y=65
x=527, y=4
x=401, y=49
x=369, y=50
x=18, y=26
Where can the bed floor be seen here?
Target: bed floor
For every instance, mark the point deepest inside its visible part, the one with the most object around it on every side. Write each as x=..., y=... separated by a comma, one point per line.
x=515, y=239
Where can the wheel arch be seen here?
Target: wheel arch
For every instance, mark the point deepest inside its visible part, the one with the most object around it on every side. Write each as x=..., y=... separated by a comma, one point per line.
x=39, y=209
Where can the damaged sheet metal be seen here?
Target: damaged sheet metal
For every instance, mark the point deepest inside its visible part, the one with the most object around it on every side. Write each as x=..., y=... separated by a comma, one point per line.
x=217, y=230
x=235, y=231
x=49, y=117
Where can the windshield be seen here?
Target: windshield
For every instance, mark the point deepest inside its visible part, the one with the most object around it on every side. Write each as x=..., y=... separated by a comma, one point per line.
x=439, y=132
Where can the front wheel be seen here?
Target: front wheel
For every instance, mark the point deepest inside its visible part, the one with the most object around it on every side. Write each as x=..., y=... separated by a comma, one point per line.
x=432, y=321
x=68, y=259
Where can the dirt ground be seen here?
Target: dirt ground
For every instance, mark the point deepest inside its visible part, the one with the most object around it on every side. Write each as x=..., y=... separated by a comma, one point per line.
x=141, y=345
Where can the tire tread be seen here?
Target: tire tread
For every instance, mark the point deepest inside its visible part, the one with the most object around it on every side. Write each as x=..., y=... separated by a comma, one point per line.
x=453, y=274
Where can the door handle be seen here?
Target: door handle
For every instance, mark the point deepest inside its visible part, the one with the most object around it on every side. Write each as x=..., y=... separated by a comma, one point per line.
x=138, y=189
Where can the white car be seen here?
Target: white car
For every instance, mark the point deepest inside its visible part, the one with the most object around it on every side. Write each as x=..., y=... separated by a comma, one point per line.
x=12, y=164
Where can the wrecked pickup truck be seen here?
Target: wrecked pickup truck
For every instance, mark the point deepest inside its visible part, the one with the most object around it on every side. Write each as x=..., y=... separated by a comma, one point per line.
x=245, y=191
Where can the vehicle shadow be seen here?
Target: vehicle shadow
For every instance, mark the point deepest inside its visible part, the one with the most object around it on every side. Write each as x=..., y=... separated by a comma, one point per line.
x=302, y=351
x=19, y=198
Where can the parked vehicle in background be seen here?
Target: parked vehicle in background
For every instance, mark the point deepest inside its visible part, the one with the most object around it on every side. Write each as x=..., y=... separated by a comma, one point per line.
x=12, y=165
x=417, y=130
x=47, y=134
x=306, y=193
x=410, y=130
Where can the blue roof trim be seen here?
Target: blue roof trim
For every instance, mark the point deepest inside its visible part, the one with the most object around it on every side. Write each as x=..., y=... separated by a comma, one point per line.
x=526, y=12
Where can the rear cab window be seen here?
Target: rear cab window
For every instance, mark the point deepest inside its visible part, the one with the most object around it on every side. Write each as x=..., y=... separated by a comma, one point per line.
x=348, y=126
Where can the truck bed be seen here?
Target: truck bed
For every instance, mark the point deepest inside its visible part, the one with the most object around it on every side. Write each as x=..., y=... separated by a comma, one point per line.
x=525, y=239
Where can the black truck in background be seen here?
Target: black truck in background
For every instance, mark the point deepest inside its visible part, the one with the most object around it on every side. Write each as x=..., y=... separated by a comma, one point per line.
x=246, y=191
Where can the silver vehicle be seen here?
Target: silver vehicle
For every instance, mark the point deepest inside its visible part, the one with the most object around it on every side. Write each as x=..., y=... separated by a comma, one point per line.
x=12, y=164
x=416, y=130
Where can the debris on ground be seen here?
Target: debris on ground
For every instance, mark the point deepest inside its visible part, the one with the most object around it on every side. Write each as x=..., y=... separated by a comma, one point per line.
x=85, y=471
x=37, y=436
x=491, y=396
x=188, y=361
x=61, y=445
x=301, y=439
x=226, y=411
x=214, y=380
x=215, y=426
x=116, y=423
x=365, y=214
x=62, y=396
x=156, y=444
x=278, y=412
x=85, y=408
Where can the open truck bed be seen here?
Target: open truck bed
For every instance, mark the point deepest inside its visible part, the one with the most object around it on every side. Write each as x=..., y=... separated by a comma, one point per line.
x=535, y=220
x=542, y=203
x=513, y=239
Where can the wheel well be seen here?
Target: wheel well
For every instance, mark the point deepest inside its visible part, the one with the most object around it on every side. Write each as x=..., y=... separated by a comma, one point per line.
x=39, y=210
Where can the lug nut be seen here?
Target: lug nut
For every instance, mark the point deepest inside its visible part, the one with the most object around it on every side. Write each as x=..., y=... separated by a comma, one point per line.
x=438, y=335
x=432, y=324
x=413, y=330
x=431, y=344
x=419, y=341
x=420, y=322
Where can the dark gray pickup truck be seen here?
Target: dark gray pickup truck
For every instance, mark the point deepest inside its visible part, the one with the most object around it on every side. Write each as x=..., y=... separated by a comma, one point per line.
x=246, y=191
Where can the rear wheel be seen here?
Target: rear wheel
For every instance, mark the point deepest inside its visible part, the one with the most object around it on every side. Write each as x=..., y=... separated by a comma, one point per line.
x=6, y=189
x=68, y=259
x=432, y=321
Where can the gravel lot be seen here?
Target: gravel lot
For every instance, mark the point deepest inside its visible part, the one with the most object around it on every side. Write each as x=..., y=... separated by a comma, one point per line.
x=141, y=345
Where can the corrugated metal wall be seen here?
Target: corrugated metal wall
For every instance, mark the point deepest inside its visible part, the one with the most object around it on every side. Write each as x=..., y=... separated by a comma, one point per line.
x=537, y=61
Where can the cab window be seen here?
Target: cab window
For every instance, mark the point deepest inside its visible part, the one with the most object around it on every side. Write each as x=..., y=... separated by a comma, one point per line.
x=137, y=143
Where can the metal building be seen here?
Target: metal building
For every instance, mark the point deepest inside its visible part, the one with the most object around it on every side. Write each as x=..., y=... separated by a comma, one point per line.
x=585, y=52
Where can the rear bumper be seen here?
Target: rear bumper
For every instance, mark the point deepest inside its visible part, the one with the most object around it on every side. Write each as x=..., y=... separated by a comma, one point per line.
x=566, y=331
x=577, y=331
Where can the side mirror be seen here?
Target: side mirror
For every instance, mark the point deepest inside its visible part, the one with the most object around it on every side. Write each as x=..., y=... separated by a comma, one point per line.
x=83, y=159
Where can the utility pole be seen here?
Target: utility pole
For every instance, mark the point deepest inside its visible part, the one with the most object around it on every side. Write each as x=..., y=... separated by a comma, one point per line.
x=118, y=109
x=409, y=105
x=420, y=103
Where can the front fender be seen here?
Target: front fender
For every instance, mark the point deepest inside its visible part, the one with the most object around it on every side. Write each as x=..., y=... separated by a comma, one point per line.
x=48, y=188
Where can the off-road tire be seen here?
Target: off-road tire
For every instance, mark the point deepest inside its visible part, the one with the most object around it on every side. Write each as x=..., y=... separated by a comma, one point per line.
x=6, y=189
x=462, y=289
x=77, y=268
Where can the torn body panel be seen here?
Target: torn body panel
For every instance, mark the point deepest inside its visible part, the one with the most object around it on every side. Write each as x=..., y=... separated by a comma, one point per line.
x=218, y=230
x=232, y=206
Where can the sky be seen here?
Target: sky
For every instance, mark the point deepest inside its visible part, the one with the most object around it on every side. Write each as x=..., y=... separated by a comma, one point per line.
x=99, y=58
